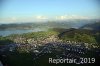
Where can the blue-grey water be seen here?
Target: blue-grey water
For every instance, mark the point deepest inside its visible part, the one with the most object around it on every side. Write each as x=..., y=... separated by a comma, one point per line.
x=9, y=32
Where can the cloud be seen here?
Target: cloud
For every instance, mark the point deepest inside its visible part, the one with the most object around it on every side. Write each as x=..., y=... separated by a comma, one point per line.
x=11, y=19
x=61, y=17
x=41, y=17
x=65, y=17
x=16, y=19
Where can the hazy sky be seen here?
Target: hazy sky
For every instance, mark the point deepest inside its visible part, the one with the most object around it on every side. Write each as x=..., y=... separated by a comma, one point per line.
x=42, y=10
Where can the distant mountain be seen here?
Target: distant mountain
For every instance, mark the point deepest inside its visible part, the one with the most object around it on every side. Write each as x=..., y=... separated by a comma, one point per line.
x=15, y=26
x=35, y=25
x=50, y=24
x=92, y=26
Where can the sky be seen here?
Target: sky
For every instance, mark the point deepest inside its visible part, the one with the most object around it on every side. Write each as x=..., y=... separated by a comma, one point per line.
x=46, y=10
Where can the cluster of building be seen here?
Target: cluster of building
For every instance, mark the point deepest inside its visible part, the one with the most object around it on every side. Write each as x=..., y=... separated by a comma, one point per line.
x=69, y=49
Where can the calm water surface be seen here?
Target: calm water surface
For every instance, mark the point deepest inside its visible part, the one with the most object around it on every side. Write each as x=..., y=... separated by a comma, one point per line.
x=9, y=32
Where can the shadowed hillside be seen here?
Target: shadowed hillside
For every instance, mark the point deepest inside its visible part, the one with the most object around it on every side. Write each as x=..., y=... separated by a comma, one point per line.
x=93, y=26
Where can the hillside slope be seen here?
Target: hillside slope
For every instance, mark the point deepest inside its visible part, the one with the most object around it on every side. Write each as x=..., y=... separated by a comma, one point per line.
x=93, y=26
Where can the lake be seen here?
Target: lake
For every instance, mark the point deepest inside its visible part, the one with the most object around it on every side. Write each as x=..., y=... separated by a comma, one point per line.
x=9, y=32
